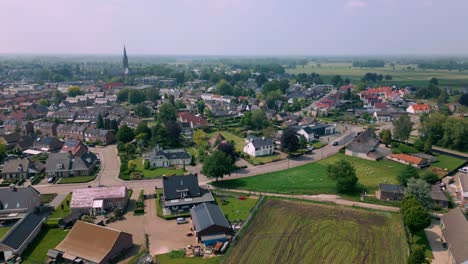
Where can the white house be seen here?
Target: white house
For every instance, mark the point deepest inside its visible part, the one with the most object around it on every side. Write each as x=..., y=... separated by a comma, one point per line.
x=307, y=132
x=257, y=147
x=316, y=130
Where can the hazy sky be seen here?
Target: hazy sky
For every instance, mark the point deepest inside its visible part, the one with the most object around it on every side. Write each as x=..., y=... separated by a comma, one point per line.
x=235, y=27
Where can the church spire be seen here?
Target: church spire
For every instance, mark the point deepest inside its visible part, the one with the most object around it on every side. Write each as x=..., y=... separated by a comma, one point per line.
x=125, y=59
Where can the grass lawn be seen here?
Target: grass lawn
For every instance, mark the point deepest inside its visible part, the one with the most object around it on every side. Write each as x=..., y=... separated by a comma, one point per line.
x=238, y=141
x=447, y=162
x=292, y=232
x=420, y=239
x=317, y=144
x=76, y=179
x=312, y=178
x=167, y=259
x=59, y=213
x=47, y=239
x=47, y=197
x=235, y=209
x=266, y=159
x=4, y=230
x=156, y=173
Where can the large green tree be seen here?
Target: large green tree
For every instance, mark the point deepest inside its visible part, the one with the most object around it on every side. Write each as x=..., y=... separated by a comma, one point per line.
x=289, y=140
x=421, y=190
x=125, y=134
x=402, y=128
x=136, y=96
x=217, y=165
x=167, y=112
x=415, y=216
x=73, y=91
x=224, y=88
x=406, y=174
x=344, y=174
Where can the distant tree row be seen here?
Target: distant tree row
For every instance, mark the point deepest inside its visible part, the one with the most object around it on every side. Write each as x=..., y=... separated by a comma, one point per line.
x=369, y=64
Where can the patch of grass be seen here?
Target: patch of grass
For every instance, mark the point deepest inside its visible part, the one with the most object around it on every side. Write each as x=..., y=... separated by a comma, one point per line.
x=317, y=144
x=447, y=162
x=47, y=197
x=235, y=209
x=158, y=172
x=312, y=178
x=265, y=159
x=47, y=239
x=291, y=232
x=76, y=179
x=167, y=259
x=59, y=212
x=420, y=239
x=4, y=230
x=239, y=142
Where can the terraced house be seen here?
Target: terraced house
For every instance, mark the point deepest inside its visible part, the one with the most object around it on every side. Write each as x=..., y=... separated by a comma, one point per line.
x=167, y=158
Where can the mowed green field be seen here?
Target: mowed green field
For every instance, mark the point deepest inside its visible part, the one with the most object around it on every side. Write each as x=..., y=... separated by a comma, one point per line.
x=301, y=232
x=401, y=76
x=312, y=178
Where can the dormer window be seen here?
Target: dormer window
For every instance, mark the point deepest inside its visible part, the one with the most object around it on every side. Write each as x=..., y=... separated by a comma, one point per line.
x=59, y=166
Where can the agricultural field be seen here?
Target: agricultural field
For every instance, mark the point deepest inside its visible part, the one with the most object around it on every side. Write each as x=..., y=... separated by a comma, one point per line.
x=401, y=76
x=301, y=232
x=312, y=178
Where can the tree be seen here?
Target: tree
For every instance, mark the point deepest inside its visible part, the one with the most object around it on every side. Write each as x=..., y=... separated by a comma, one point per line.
x=173, y=131
x=167, y=112
x=199, y=136
x=125, y=134
x=434, y=81
x=428, y=145
x=201, y=106
x=269, y=132
x=229, y=149
x=406, y=174
x=142, y=110
x=132, y=165
x=100, y=121
x=122, y=95
x=143, y=129
x=2, y=151
x=419, y=189
x=415, y=216
x=146, y=164
x=217, y=165
x=430, y=177
x=73, y=91
x=402, y=127
x=417, y=255
x=259, y=118
x=224, y=88
x=302, y=142
x=136, y=96
x=386, y=136
x=336, y=81
x=289, y=140
x=44, y=102
x=345, y=175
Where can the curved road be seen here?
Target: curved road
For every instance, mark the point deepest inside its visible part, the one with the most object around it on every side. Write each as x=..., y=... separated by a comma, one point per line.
x=110, y=166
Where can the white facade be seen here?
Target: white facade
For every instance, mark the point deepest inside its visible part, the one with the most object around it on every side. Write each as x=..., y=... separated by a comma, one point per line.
x=307, y=136
x=258, y=151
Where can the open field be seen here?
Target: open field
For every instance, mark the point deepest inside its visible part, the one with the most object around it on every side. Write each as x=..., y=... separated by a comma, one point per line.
x=238, y=141
x=158, y=172
x=47, y=239
x=301, y=232
x=447, y=162
x=312, y=178
x=401, y=76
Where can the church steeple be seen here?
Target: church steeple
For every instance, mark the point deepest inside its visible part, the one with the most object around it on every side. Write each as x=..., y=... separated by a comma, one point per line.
x=126, y=69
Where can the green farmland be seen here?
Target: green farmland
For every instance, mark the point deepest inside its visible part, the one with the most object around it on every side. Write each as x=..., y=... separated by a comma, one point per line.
x=291, y=232
x=401, y=76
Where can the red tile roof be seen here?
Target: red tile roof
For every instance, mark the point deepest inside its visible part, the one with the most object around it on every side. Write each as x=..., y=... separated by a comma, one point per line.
x=421, y=107
x=191, y=118
x=407, y=158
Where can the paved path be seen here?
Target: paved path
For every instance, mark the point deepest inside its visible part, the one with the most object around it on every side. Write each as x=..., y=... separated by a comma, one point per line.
x=434, y=234
x=332, y=198
x=58, y=200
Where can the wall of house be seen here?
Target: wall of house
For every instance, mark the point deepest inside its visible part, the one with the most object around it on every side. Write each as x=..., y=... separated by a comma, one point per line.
x=358, y=155
x=214, y=229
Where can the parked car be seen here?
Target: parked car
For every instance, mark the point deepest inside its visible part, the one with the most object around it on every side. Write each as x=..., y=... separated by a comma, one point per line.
x=51, y=179
x=464, y=169
x=181, y=220
x=335, y=143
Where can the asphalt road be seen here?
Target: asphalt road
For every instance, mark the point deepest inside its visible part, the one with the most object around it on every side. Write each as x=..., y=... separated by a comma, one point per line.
x=110, y=165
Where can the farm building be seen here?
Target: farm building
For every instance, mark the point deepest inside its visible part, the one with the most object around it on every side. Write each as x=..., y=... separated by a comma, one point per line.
x=183, y=192
x=209, y=223
x=455, y=233
x=365, y=146
x=409, y=159
x=106, y=244
x=96, y=200
x=390, y=192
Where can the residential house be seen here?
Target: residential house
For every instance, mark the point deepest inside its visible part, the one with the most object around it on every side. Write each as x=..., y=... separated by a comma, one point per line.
x=390, y=192
x=10, y=140
x=18, y=200
x=257, y=147
x=75, y=147
x=194, y=121
x=461, y=180
x=46, y=128
x=71, y=131
x=455, y=233
x=180, y=193
x=159, y=157
x=101, y=136
x=90, y=243
x=409, y=159
x=99, y=199
x=23, y=127
x=365, y=146
x=210, y=224
x=21, y=169
x=316, y=130
x=439, y=197
x=66, y=165
x=48, y=144
x=418, y=109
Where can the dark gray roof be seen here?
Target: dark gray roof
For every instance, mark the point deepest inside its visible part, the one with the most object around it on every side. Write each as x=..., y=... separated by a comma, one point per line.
x=364, y=143
x=174, y=184
x=259, y=142
x=22, y=230
x=85, y=161
x=16, y=165
x=19, y=198
x=391, y=188
x=437, y=194
x=455, y=231
x=206, y=215
x=58, y=158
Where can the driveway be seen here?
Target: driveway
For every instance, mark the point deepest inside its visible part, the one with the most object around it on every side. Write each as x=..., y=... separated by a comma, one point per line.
x=434, y=234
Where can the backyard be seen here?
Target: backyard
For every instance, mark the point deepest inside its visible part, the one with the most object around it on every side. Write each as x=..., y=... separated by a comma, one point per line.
x=158, y=172
x=47, y=239
x=447, y=162
x=234, y=208
x=312, y=178
x=63, y=210
x=238, y=141
x=291, y=232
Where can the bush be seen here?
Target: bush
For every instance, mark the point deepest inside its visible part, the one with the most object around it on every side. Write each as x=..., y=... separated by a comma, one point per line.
x=417, y=256
x=177, y=254
x=415, y=216
x=146, y=164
